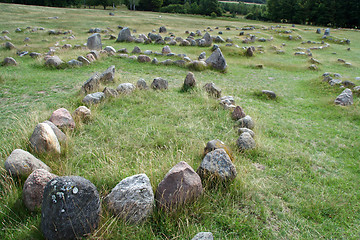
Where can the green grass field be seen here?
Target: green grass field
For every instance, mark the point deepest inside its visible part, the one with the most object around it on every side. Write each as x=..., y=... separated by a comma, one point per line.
x=310, y=148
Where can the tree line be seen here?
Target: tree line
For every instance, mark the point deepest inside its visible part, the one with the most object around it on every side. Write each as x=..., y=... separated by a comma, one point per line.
x=334, y=13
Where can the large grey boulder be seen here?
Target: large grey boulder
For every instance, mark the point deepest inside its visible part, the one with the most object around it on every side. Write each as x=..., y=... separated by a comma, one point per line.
x=91, y=84
x=94, y=98
x=125, y=88
x=208, y=39
x=124, y=35
x=245, y=141
x=203, y=236
x=132, y=199
x=21, y=163
x=327, y=32
x=44, y=140
x=345, y=98
x=94, y=42
x=180, y=185
x=217, y=60
x=217, y=165
x=70, y=208
x=159, y=84
x=34, y=188
x=62, y=119
x=108, y=75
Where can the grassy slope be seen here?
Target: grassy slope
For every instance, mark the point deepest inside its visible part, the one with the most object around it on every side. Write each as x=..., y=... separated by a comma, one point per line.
x=309, y=146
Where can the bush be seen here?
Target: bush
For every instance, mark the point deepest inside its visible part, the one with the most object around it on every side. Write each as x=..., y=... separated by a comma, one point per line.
x=213, y=15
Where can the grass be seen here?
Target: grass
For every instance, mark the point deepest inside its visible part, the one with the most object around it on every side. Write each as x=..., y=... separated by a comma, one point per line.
x=309, y=146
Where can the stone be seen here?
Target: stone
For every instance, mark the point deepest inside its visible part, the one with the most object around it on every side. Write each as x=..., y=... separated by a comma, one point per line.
x=250, y=52
x=238, y=113
x=136, y=50
x=246, y=122
x=180, y=63
x=214, y=47
x=70, y=208
x=212, y=90
x=327, y=32
x=66, y=46
x=9, y=46
x=314, y=61
x=208, y=39
x=313, y=67
x=9, y=61
x=111, y=14
x=216, y=144
x=243, y=130
x=82, y=113
x=125, y=88
x=74, y=62
x=219, y=39
x=21, y=164
x=94, y=98
x=155, y=61
x=154, y=37
x=345, y=98
x=159, y=84
x=34, y=186
x=35, y=55
x=141, y=84
x=108, y=75
x=181, y=185
x=334, y=82
x=203, y=236
x=166, y=50
x=94, y=42
x=53, y=61
x=356, y=89
x=227, y=100
x=110, y=49
x=202, y=56
x=269, y=94
x=91, y=84
x=90, y=57
x=217, y=60
x=197, y=65
x=44, y=140
x=83, y=60
x=110, y=92
x=217, y=165
x=132, y=199
x=162, y=29
x=245, y=141
x=143, y=58
x=167, y=62
x=348, y=84
x=124, y=35
x=190, y=81
x=59, y=134
x=62, y=119
x=123, y=50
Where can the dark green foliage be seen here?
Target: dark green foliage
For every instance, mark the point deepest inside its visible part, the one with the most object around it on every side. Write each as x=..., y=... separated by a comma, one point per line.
x=335, y=13
x=251, y=11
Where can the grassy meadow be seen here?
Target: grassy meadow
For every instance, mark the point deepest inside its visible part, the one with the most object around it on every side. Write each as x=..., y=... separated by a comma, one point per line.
x=310, y=148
